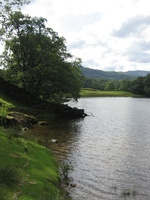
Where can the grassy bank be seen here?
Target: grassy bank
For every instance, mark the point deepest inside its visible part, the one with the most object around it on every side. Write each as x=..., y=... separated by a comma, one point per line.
x=4, y=105
x=27, y=169
x=87, y=92
x=7, y=103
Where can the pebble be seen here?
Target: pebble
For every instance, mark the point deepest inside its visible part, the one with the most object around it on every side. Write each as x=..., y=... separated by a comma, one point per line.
x=73, y=185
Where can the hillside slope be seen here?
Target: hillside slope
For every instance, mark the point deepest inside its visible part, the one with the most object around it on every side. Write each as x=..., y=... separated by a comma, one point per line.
x=93, y=73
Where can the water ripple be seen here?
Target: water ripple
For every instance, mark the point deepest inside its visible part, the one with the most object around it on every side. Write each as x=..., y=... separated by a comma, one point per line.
x=110, y=152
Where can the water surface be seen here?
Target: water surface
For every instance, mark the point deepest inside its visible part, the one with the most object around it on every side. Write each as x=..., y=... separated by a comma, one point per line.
x=109, y=150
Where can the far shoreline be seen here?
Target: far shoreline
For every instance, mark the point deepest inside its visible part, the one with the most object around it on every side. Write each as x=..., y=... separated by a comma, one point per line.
x=89, y=92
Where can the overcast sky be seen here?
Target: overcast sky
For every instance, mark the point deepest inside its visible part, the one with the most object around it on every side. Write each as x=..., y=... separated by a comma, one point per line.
x=109, y=35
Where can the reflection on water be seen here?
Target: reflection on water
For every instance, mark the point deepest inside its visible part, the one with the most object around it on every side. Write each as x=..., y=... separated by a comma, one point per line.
x=109, y=150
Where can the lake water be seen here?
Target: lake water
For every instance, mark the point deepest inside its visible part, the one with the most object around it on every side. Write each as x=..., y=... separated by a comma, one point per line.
x=109, y=150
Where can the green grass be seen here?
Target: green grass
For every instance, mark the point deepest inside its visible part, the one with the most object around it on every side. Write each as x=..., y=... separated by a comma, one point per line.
x=6, y=103
x=87, y=92
x=4, y=106
x=28, y=170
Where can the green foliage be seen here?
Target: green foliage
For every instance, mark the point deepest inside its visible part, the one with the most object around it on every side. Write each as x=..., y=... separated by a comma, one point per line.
x=125, y=85
x=147, y=85
x=139, y=86
x=109, y=85
x=6, y=8
x=36, y=59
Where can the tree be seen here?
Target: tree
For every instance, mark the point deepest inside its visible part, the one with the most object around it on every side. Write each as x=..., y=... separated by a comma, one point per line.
x=138, y=85
x=6, y=9
x=36, y=58
x=125, y=85
x=147, y=85
x=110, y=86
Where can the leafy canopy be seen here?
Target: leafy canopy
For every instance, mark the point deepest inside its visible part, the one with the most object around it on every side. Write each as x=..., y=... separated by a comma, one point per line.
x=36, y=58
x=6, y=8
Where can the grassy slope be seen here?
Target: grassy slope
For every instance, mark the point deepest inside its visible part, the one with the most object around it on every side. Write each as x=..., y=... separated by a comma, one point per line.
x=7, y=102
x=28, y=171
x=97, y=93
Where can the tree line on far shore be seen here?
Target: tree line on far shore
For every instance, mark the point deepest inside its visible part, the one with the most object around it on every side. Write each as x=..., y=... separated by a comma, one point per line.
x=140, y=85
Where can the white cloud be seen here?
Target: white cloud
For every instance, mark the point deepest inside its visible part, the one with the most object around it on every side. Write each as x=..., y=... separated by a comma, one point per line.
x=134, y=26
x=105, y=34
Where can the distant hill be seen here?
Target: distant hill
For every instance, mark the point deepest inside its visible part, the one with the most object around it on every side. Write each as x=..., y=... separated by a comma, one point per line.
x=137, y=73
x=94, y=73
